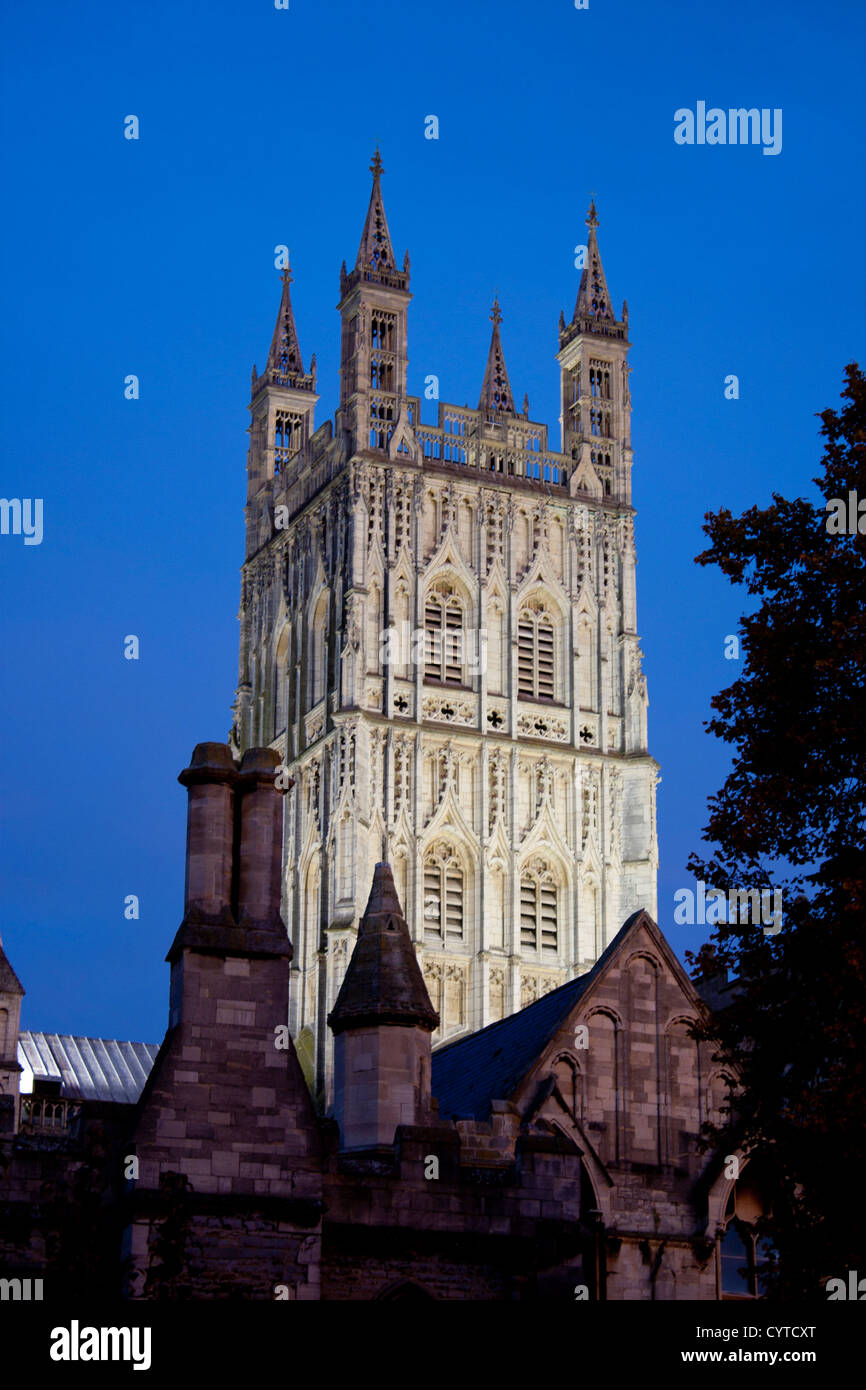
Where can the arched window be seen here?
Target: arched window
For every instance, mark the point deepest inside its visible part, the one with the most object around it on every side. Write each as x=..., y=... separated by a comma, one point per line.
x=535, y=653
x=443, y=635
x=738, y=1262
x=281, y=684
x=538, y=908
x=443, y=894
x=318, y=652
x=745, y=1255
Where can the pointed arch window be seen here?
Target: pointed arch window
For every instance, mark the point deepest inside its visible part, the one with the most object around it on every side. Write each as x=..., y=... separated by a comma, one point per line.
x=281, y=685
x=443, y=636
x=319, y=652
x=443, y=895
x=535, y=654
x=288, y=437
x=539, y=908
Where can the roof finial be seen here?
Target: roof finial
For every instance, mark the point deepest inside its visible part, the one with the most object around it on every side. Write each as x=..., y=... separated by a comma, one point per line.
x=376, y=167
x=592, y=216
x=495, y=313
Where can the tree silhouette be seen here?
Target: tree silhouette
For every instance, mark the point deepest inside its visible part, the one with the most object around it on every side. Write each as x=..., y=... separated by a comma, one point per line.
x=791, y=815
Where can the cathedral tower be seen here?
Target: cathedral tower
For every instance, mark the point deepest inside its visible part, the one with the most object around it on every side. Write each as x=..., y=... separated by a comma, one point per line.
x=438, y=638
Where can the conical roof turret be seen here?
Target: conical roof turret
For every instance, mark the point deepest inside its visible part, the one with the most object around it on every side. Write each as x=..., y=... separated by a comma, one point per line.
x=383, y=984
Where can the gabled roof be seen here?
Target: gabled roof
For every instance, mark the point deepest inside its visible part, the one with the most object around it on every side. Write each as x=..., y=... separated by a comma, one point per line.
x=470, y=1073
x=88, y=1068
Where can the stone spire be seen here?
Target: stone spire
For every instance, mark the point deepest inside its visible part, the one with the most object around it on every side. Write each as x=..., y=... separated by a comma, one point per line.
x=284, y=357
x=383, y=984
x=496, y=397
x=593, y=304
x=375, y=260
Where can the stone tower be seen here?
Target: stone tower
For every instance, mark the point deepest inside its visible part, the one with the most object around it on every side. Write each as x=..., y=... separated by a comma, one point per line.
x=438, y=637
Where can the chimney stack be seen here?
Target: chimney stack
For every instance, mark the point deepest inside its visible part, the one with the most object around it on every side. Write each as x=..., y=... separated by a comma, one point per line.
x=261, y=841
x=210, y=780
x=233, y=864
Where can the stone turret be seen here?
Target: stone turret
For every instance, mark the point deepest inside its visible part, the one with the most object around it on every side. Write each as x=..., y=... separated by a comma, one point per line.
x=382, y=1021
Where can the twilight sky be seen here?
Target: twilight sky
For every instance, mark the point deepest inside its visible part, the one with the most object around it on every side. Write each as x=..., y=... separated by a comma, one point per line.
x=156, y=257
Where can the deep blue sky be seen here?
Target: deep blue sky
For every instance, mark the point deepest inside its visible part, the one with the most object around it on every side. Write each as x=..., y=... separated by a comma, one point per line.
x=156, y=257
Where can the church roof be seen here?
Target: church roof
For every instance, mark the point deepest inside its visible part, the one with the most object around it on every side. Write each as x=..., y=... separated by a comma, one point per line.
x=470, y=1073
x=87, y=1068
x=383, y=983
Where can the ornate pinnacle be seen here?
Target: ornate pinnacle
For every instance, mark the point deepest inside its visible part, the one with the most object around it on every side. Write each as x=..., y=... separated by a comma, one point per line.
x=495, y=314
x=592, y=216
x=376, y=167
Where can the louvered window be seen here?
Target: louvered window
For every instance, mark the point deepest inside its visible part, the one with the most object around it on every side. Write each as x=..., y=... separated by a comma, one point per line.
x=443, y=639
x=538, y=912
x=535, y=662
x=443, y=898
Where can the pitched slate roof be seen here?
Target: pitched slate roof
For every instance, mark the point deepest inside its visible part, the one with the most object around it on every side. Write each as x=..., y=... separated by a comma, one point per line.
x=470, y=1073
x=88, y=1068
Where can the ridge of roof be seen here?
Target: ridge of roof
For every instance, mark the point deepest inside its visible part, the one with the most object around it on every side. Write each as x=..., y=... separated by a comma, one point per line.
x=471, y=1072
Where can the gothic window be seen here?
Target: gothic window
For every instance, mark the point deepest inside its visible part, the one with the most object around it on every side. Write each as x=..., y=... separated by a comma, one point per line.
x=535, y=655
x=737, y=1256
x=595, y=422
x=381, y=423
x=443, y=636
x=4, y=1026
x=605, y=386
x=382, y=331
x=538, y=909
x=318, y=652
x=381, y=375
x=744, y=1254
x=281, y=683
x=287, y=437
x=443, y=895
x=594, y=380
